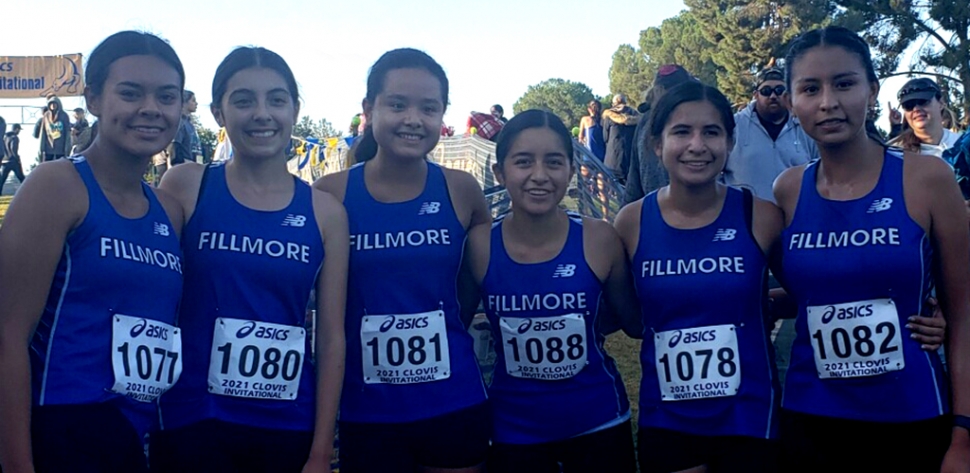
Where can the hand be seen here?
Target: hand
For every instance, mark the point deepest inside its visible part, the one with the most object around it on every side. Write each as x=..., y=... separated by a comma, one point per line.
x=957, y=458
x=928, y=331
x=895, y=116
x=318, y=462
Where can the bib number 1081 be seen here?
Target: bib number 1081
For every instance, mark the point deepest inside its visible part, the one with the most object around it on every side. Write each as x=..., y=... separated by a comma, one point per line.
x=397, y=352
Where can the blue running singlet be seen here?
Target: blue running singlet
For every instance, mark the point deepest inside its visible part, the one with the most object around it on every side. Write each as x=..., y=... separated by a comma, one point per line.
x=708, y=366
x=553, y=379
x=106, y=334
x=248, y=277
x=409, y=356
x=858, y=269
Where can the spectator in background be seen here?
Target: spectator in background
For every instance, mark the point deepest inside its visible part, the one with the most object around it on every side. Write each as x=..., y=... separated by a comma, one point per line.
x=499, y=113
x=187, y=146
x=646, y=171
x=10, y=153
x=591, y=130
x=355, y=125
x=53, y=131
x=619, y=127
x=768, y=139
x=80, y=132
x=922, y=105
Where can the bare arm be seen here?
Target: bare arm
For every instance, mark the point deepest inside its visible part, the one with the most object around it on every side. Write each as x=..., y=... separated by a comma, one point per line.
x=330, y=341
x=46, y=208
x=622, y=304
x=469, y=200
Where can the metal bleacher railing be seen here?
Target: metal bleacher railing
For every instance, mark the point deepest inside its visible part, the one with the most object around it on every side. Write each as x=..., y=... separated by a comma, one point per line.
x=593, y=192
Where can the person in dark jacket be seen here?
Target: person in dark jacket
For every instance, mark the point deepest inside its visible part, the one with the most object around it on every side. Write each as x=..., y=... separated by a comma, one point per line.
x=646, y=172
x=11, y=156
x=619, y=126
x=54, y=131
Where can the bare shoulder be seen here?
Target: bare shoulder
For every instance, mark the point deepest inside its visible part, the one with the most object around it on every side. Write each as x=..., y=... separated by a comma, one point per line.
x=186, y=177
x=629, y=217
x=334, y=184
x=599, y=233
x=927, y=169
x=461, y=181
x=769, y=222
x=789, y=183
x=326, y=205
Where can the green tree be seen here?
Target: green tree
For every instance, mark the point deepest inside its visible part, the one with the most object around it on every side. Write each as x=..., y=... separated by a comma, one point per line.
x=566, y=99
x=938, y=29
x=306, y=128
x=747, y=34
x=630, y=74
x=679, y=40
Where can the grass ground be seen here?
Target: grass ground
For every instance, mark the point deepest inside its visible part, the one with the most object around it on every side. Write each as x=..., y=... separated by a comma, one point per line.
x=4, y=203
x=626, y=352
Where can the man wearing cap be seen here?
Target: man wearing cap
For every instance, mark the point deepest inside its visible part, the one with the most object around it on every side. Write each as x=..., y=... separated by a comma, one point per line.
x=923, y=111
x=768, y=139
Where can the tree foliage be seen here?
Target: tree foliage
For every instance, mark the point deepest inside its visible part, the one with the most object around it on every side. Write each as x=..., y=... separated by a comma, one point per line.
x=566, y=99
x=939, y=30
x=207, y=137
x=307, y=128
x=630, y=74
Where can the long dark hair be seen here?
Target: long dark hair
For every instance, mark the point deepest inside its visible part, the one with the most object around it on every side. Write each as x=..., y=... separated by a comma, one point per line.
x=365, y=146
x=689, y=92
x=124, y=44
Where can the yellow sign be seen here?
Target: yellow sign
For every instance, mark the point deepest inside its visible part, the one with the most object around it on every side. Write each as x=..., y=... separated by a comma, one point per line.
x=25, y=77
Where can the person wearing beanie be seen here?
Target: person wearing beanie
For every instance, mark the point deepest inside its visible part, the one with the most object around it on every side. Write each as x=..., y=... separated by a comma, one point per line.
x=769, y=139
x=646, y=172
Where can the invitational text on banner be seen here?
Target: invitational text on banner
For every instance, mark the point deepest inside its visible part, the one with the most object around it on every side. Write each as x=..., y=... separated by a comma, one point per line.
x=25, y=77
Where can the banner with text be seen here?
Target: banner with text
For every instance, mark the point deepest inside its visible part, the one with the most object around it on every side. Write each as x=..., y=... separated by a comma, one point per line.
x=24, y=77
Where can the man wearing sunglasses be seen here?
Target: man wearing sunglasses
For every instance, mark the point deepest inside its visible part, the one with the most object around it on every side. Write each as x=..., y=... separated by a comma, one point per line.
x=923, y=111
x=768, y=139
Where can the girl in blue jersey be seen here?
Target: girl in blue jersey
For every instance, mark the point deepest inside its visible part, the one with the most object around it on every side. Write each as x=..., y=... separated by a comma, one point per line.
x=90, y=278
x=557, y=397
x=413, y=396
x=708, y=393
x=257, y=241
x=869, y=234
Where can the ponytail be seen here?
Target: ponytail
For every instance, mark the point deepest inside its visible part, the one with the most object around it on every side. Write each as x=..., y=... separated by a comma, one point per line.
x=365, y=146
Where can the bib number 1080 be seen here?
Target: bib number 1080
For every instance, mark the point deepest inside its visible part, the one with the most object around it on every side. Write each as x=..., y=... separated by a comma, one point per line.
x=272, y=363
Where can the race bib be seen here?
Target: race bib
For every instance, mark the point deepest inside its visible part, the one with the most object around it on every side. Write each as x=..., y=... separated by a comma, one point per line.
x=698, y=363
x=405, y=349
x=256, y=360
x=549, y=348
x=146, y=357
x=856, y=339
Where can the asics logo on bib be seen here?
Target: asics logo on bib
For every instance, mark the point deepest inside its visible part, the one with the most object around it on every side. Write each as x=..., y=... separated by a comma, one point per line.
x=161, y=229
x=414, y=238
x=857, y=238
x=121, y=249
x=564, y=271
x=403, y=324
x=541, y=325
x=428, y=208
x=266, y=333
x=688, y=337
x=294, y=220
x=150, y=330
x=845, y=313
x=880, y=204
x=219, y=241
x=725, y=234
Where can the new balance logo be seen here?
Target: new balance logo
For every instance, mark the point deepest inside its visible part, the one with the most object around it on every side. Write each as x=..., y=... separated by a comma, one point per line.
x=725, y=234
x=161, y=229
x=564, y=271
x=879, y=205
x=294, y=220
x=429, y=208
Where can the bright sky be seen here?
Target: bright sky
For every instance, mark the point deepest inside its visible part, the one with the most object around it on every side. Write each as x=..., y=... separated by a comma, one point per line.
x=492, y=50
